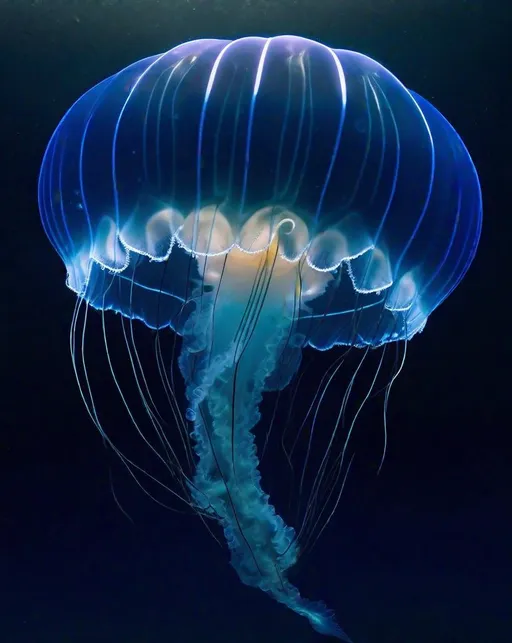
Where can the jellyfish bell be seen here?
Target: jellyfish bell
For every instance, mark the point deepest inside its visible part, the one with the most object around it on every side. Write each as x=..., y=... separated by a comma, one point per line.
x=257, y=197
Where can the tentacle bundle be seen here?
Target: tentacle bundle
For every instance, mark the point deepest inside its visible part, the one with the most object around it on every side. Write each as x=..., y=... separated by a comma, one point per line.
x=232, y=344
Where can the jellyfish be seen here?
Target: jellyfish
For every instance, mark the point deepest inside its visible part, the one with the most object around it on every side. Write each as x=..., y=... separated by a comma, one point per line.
x=257, y=198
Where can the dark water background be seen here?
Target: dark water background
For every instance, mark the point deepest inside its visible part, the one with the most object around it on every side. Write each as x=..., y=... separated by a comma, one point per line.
x=421, y=554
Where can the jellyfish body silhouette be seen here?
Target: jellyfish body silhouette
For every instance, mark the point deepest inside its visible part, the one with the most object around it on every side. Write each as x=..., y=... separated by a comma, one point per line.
x=258, y=196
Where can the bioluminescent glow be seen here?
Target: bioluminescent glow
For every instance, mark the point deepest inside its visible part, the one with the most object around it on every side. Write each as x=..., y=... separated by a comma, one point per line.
x=256, y=197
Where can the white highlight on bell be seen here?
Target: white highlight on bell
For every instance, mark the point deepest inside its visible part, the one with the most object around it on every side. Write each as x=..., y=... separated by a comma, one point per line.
x=371, y=272
x=259, y=230
x=214, y=70
x=206, y=234
x=331, y=248
x=107, y=251
x=155, y=238
x=261, y=64
x=341, y=76
x=79, y=271
x=404, y=294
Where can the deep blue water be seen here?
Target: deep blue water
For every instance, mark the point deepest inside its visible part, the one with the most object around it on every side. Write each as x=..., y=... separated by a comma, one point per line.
x=419, y=554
